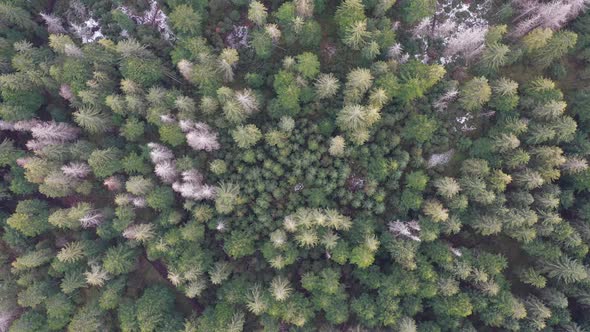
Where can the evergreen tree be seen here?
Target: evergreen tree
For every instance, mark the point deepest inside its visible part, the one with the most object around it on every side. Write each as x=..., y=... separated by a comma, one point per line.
x=475, y=94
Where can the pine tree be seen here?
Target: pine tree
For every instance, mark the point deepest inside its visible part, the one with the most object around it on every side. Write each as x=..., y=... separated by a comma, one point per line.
x=528, y=179
x=72, y=281
x=505, y=142
x=138, y=185
x=139, y=232
x=407, y=324
x=96, y=276
x=326, y=85
x=565, y=270
x=532, y=277
x=307, y=238
x=550, y=111
x=308, y=65
x=280, y=288
x=447, y=187
x=105, y=162
x=226, y=62
x=31, y=260
x=337, y=145
x=349, y=12
x=495, y=56
x=119, y=259
x=246, y=136
x=185, y=20
x=475, y=94
x=71, y=252
x=30, y=217
x=378, y=98
x=257, y=13
x=504, y=94
x=358, y=82
x=16, y=16
x=356, y=35
x=575, y=165
x=557, y=46
x=256, y=301
x=352, y=117
x=227, y=197
x=435, y=210
x=382, y=7
x=220, y=272
x=536, y=39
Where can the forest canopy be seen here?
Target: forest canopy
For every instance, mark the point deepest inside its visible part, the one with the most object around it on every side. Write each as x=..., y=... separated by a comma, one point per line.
x=304, y=165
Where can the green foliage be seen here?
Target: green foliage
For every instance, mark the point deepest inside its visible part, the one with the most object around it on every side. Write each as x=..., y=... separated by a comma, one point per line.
x=73, y=72
x=135, y=163
x=257, y=13
x=566, y=270
x=160, y=199
x=417, y=180
x=142, y=71
x=246, y=136
x=557, y=46
x=155, y=311
x=30, y=217
x=308, y=65
x=417, y=78
x=262, y=44
x=495, y=56
x=30, y=320
x=475, y=94
x=186, y=20
x=495, y=34
x=453, y=306
x=536, y=39
x=105, y=162
x=19, y=105
x=415, y=10
x=59, y=310
x=94, y=121
x=420, y=128
x=348, y=13
x=171, y=134
x=311, y=34
x=133, y=129
x=119, y=259
x=218, y=166
x=342, y=170
x=8, y=153
x=504, y=95
x=86, y=319
x=288, y=92
x=239, y=245
x=356, y=35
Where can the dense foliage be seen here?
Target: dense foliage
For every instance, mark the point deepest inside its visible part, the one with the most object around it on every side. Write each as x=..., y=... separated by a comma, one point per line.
x=305, y=165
